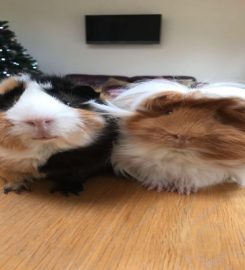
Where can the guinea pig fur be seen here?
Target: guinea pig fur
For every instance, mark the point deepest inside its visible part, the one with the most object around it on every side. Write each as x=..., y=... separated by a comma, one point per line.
x=42, y=116
x=179, y=139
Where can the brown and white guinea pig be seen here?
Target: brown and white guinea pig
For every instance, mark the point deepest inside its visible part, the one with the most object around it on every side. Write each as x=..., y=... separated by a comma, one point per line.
x=41, y=119
x=178, y=139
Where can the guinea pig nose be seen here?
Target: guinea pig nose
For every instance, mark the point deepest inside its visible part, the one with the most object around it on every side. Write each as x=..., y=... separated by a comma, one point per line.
x=39, y=123
x=177, y=136
x=181, y=138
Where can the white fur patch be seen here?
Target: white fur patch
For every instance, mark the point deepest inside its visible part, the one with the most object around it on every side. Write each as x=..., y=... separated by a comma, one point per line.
x=225, y=90
x=46, y=85
x=129, y=100
x=35, y=104
x=135, y=94
x=24, y=77
x=169, y=169
x=140, y=92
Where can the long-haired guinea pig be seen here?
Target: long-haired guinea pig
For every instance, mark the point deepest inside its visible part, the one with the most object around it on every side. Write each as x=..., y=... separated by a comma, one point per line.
x=47, y=130
x=178, y=139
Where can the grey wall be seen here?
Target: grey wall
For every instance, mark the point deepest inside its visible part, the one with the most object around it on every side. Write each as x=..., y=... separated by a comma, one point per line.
x=203, y=38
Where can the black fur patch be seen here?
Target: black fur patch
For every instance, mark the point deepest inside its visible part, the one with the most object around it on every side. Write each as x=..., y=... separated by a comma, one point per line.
x=8, y=99
x=67, y=183
x=83, y=162
x=66, y=91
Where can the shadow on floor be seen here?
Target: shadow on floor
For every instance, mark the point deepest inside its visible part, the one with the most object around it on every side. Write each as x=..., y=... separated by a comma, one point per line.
x=108, y=189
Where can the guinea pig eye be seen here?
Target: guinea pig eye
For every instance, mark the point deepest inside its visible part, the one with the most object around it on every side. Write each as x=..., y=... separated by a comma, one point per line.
x=67, y=103
x=16, y=99
x=218, y=117
x=168, y=112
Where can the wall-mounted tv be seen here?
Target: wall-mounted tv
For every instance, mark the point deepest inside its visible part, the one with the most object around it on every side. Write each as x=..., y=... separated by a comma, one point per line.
x=123, y=29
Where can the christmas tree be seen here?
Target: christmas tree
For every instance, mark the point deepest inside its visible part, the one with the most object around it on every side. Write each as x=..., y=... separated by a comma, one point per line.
x=13, y=57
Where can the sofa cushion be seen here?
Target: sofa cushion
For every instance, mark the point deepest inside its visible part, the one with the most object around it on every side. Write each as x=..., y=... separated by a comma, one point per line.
x=112, y=88
x=95, y=81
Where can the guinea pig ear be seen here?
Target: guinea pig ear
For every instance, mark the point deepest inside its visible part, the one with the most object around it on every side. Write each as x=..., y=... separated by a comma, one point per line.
x=233, y=113
x=161, y=103
x=9, y=84
x=85, y=92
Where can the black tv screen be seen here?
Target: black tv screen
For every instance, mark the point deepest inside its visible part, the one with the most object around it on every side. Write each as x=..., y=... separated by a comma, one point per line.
x=123, y=29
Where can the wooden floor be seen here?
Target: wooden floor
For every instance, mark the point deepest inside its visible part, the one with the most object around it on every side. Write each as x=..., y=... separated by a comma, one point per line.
x=117, y=224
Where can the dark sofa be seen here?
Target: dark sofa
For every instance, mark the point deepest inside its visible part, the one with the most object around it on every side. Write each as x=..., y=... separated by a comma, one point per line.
x=110, y=85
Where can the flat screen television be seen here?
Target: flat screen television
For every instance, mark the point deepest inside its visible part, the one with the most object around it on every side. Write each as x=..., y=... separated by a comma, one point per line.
x=123, y=29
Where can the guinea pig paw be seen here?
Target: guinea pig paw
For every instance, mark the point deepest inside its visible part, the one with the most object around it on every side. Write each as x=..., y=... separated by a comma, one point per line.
x=17, y=187
x=159, y=188
x=170, y=187
x=150, y=187
x=186, y=190
x=156, y=186
x=66, y=190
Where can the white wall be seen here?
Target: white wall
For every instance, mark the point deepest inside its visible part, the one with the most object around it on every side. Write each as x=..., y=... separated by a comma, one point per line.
x=203, y=38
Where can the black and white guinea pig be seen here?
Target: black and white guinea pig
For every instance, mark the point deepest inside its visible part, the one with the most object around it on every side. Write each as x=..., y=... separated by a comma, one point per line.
x=179, y=139
x=48, y=130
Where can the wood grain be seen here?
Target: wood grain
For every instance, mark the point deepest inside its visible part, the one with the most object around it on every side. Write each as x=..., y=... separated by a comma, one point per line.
x=117, y=224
